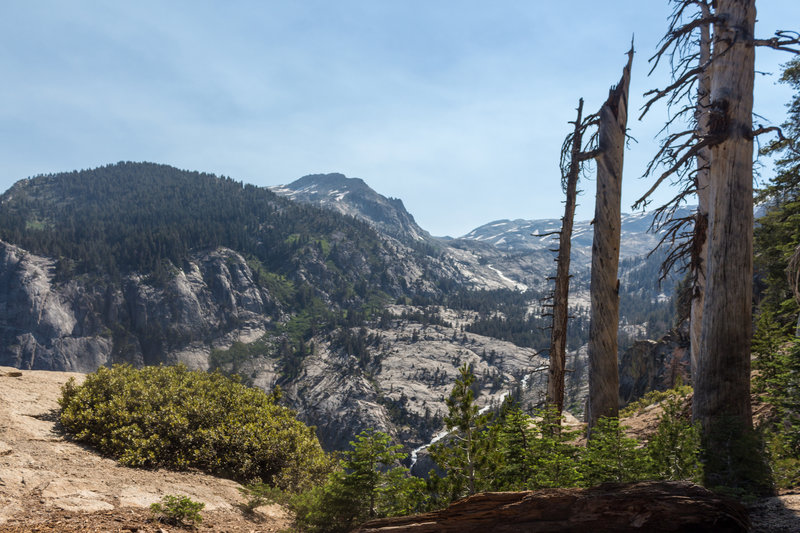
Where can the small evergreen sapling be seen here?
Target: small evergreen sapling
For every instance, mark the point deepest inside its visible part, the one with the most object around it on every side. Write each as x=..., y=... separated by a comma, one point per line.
x=536, y=452
x=515, y=443
x=611, y=456
x=556, y=458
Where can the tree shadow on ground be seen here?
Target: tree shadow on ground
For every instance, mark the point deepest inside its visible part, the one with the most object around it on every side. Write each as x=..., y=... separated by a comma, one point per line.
x=769, y=515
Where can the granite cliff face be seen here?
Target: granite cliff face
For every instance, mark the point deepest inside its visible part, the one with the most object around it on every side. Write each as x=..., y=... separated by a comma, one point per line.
x=213, y=301
x=654, y=365
x=86, y=322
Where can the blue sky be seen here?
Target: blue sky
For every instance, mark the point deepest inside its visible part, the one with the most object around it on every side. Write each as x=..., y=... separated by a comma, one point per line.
x=458, y=108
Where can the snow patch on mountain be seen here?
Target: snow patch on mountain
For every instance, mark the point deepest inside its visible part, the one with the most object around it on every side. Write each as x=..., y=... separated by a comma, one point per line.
x=519, y=235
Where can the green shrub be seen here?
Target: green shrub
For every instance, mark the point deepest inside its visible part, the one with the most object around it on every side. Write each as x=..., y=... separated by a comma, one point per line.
x=178, y=510
x=176, y=418
x=654, y=397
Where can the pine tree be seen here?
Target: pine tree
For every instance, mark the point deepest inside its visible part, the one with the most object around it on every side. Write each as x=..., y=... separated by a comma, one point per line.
x=555, y=457
x=468, y=454
x=368, y=485
x=610, y=456
x=675, y=448
x=516, y=446
x=777, y=234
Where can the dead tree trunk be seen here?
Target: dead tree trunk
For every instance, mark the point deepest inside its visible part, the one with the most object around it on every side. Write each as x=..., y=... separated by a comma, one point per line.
x=558, y=336
x=603, y=370
x=722, y=387
x=699, y=244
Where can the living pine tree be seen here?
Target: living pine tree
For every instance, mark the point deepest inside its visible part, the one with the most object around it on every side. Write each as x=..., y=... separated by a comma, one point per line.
x=778, y=233
x=675, y=448
x=776, y=242
x=515, y=442
x=556, y=458
x=368, y=485
x=469, y=454
x=769, y=347
x=537, y=452
x=611, y=456
x=778, y=382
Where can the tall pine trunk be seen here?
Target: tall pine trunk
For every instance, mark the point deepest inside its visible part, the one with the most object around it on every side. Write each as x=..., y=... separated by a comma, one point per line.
x=603, y=370
x=558, y=337
x=700, y=245
x=722, y=386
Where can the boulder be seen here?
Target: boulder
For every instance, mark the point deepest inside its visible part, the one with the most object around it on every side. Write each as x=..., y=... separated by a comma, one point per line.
x=651, y=507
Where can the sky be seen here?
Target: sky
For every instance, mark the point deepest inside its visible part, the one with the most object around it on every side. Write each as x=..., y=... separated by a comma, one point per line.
x=457, y=107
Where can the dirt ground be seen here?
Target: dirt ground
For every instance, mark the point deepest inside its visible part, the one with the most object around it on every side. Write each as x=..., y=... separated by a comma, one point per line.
x=48, y=483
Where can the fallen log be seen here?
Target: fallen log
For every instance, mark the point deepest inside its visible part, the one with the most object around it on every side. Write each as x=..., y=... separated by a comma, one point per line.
x=652, y=507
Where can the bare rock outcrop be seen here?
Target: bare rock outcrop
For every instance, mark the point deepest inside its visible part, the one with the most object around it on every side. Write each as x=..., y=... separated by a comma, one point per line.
x=653, y=507
x=403, y=388
x=653, y=365
x=86, y=322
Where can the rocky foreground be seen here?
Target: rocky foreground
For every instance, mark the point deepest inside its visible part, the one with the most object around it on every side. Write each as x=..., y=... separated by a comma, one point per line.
x=50, y=484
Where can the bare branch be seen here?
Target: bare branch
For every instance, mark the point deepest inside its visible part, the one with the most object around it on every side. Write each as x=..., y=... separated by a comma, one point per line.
x=677, y=38
x=583, y=156
x=762, y=130
x=660, y=93
x=676, y=34
x=782, y=41
x=567, y=156
x=667, y=147
x=682, y=83
x=693, y=151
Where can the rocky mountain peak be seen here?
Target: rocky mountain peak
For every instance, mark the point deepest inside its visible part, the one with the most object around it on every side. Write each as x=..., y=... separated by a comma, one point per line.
x=353, y=197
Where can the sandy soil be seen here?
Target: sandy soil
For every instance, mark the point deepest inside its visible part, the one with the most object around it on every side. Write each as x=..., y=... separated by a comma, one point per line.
x=48, y=483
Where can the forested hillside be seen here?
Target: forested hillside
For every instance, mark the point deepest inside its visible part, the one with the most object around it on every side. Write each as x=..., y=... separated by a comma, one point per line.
x=140, y=217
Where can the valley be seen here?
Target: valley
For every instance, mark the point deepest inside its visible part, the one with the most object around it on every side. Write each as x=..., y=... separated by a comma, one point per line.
x=326, y=289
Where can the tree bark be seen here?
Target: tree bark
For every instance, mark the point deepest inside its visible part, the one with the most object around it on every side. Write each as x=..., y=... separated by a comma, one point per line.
x=603, y=369
x=699, y=245
x=558, y=337
x=722, y=386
